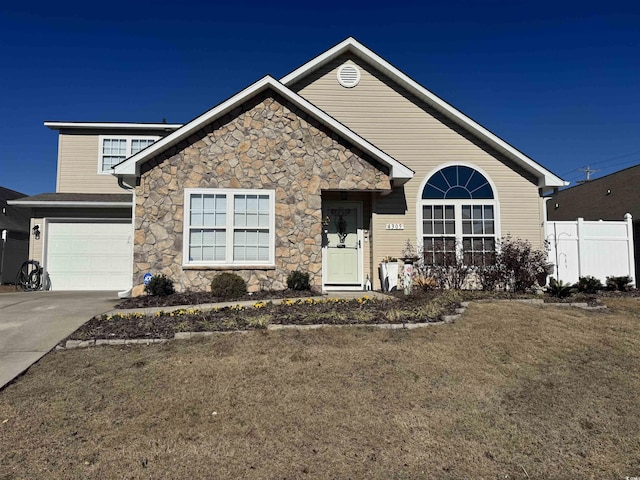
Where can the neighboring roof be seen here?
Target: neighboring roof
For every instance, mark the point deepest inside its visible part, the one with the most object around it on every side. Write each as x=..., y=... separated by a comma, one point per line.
x=8, y=194
x=79, y=200
x=605, y=198
x=111, y=125
x=545, y=177
x=11, y=218
x=131, y=166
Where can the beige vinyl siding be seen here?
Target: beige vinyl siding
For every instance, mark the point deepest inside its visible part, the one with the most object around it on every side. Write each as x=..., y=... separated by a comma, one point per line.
x=423, y=140
x=78, y=166
x=35, y=246
x=78, y=155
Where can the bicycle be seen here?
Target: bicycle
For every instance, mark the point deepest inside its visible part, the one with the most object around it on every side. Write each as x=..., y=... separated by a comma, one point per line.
x=30, y=276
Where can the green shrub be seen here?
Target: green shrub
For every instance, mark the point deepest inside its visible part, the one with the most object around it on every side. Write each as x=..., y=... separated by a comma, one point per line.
x=559, y=289
x=619, y=283
x=298, y=281
x=228, y=285
x=589, y=284
x=160, y=286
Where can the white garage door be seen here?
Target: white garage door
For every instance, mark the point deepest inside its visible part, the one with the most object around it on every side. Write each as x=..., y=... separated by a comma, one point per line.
x=89, y=255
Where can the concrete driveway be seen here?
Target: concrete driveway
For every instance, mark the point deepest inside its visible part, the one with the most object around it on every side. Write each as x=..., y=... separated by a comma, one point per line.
x=32, y=323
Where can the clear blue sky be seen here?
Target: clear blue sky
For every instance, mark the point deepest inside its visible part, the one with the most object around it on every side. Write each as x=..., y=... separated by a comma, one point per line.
x=558, y=80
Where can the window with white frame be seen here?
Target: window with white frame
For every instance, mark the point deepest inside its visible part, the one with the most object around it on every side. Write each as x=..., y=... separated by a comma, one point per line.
x=458, y=217
x=114, y=150
x=229, y=227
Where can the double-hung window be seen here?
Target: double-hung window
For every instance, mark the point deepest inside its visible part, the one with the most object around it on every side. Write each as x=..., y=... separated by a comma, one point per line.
x=458, y=218
x=229, y=227
x=115, y=149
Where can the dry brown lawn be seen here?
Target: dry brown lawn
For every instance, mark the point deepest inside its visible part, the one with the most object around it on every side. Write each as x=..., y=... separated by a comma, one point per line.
x=509, y=391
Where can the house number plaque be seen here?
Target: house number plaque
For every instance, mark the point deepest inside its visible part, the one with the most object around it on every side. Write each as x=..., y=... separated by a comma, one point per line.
x=395, y=226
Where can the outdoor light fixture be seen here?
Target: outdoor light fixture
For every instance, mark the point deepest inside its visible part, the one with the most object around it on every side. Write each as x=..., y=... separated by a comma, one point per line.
x=36, y=231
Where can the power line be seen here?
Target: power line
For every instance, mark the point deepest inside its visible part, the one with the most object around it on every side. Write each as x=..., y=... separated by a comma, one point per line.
x=605, y=171
x=607, y=160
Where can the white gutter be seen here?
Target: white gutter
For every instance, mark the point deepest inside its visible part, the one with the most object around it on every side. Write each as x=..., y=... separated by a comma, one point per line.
x=60, y=203
x=113, y=126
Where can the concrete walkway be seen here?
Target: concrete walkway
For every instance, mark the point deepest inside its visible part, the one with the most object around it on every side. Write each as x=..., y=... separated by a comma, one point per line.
x=32, y=323
x=248, y=303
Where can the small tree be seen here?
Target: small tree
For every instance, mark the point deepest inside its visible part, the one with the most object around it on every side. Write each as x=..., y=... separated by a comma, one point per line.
x=521, y=262
x=517, y=266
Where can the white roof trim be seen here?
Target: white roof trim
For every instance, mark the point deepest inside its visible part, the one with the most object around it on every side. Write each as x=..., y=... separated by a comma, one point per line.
x=131, y=166
x=73, y=203
x=113, y=125
x=546, y=178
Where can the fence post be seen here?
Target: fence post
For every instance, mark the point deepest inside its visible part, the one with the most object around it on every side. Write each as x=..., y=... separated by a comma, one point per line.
x=632, y=261
x=581, y=247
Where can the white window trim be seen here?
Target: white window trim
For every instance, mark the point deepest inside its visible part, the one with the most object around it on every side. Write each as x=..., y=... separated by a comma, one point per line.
x=229, y=192
x=457, y=203
x=457, y=206
x=128, y=138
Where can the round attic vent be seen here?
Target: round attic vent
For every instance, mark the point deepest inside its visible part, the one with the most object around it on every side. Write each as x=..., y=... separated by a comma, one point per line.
x=348, y=75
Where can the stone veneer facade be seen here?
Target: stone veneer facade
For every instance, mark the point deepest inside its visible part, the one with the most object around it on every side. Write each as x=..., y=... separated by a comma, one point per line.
x=266, y=143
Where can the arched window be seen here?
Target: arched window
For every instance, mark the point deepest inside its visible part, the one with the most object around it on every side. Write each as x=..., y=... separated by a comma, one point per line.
x=457, y=216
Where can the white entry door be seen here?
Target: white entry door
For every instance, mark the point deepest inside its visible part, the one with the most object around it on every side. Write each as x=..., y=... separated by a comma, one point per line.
x=342, y=250
x=89, y=255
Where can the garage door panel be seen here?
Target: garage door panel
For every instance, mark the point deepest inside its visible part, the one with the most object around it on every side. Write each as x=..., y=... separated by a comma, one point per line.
x=89, y=255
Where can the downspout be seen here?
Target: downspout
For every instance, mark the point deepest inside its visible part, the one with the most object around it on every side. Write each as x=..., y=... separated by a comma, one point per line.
x=4, y=247
x=127, y=293
x=555, y=233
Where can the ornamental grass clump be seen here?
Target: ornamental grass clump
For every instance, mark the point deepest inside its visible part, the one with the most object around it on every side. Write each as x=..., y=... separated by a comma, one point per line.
x=228, y=286
x=559, y=289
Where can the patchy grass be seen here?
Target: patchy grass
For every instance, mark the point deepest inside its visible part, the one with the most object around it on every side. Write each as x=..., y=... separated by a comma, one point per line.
x=510, y=391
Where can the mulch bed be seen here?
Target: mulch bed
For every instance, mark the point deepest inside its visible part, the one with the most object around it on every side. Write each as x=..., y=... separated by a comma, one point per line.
x=420, y=307
x=428, y=307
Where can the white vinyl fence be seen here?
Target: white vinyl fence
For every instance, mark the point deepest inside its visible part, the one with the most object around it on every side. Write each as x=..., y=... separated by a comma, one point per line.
x=600, y=249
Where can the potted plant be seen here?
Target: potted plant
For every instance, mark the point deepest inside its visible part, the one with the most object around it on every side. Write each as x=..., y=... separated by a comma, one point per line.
x=409, y=254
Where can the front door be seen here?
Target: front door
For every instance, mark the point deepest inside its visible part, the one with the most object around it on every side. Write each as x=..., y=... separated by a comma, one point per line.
x=342, y=243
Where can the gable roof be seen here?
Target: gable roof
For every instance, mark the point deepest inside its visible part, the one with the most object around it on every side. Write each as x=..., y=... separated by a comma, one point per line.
x=546, y=179
x=131, y=166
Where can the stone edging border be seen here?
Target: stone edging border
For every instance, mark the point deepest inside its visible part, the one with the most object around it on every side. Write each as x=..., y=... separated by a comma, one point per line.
x=446, y=319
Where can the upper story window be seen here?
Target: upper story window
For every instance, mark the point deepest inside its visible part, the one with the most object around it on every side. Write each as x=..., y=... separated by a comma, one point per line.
x=115, y=149
x=457, y=217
